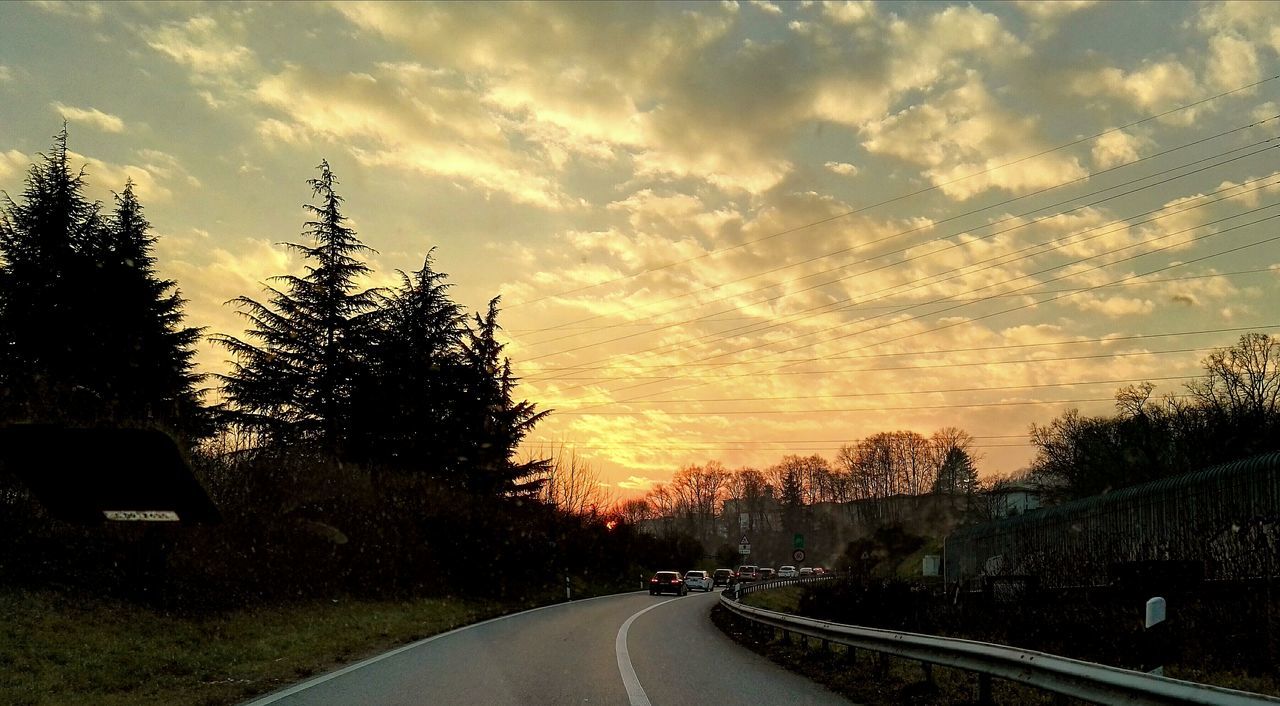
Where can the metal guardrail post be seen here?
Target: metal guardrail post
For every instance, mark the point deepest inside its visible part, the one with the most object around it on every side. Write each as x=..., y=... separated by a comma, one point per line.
x=984, y=690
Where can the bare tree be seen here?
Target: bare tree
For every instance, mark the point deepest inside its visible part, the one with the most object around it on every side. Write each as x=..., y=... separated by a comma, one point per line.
x=1243, y=379
x=572, y=484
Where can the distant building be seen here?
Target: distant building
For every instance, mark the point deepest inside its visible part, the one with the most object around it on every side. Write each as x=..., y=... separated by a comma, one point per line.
x=1013, y=499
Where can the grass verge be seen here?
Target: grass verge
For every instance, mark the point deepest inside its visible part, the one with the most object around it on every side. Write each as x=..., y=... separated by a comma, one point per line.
x=78, y=650
x=783, y=600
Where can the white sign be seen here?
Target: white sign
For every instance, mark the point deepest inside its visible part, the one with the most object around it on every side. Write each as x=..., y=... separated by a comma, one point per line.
x=744, y=549
x=141, y=515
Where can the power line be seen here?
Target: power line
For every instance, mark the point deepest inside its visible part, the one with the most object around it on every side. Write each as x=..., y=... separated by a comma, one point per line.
x=849, y=395
x=967, y=303
x=727, y=319
x=567, y=442
x=940, y=238
x=939, y=351
x=1037, y=303
x=845, y=371
x=895, y=199
x=891, y=236
x=966, y=270
x=653, y=448
x=828, y=410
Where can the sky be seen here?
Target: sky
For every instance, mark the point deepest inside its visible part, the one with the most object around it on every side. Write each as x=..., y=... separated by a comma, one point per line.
x=721, y=231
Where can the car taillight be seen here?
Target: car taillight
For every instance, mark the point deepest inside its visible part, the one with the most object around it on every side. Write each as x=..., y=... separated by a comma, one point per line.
x=653, y=580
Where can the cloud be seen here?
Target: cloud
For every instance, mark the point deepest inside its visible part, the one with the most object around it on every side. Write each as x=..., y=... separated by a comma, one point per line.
x=152, y=179
x=842, y=168
x=848, y=12
x=636, y=483
x=1259, y=22
x=1038, y=10
x=1118, y=147
x=1113, y=307
x=105, y=122
x=1154, y=86
x=767, y=7
x=967, y=143
x=91, y=11
x=13, y=162
x=200, y=44
x=407, y=119
x=1233, y=62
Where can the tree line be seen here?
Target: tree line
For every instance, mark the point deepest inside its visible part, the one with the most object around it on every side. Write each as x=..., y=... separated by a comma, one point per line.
x=361, y=437
x=711, y=502
x=1231, y=412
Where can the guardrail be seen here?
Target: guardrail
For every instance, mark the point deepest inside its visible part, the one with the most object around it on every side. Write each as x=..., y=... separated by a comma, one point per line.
x=740, y=589
x=1061, y=675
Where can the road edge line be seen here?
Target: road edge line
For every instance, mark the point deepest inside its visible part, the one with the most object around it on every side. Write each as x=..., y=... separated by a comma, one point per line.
x=635, y=692
x=303, y=686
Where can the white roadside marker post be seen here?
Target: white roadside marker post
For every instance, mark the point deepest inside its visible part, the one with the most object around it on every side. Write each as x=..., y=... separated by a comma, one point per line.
x=1155, y=637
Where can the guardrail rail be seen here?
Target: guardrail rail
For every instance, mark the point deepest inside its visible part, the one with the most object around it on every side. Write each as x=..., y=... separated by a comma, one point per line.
x=1097, y=683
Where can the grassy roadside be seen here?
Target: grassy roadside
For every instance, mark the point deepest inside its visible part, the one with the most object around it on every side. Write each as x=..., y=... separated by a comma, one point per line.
x=784, y=600
x=79, y=650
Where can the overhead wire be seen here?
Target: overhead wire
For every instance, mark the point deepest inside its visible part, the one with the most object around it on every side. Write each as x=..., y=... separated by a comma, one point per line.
x=939, y=351
x=964, y=271
x=1037, y=303
x=931, y=224
x=1162, y=212
x=918, y=192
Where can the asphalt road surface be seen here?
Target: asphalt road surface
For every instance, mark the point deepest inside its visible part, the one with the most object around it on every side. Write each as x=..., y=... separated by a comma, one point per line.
x=632, y=649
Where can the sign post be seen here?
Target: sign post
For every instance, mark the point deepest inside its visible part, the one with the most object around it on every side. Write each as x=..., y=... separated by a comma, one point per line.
x=744, y=546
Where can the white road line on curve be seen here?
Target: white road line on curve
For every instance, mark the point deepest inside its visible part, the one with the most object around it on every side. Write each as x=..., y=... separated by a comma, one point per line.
x=635, y=692
x=276, y=696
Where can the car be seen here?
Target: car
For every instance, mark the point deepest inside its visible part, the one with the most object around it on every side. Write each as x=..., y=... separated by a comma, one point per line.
x=788, y=572
x=819, y=571
x=767, y=573
x=806, y=571
x=700, y=580
x=667, y=582
x=747, y=573
x=722, y=577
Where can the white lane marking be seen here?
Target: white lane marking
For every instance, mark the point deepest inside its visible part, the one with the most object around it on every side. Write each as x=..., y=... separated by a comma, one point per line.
x=635, y=692
x=274, y=697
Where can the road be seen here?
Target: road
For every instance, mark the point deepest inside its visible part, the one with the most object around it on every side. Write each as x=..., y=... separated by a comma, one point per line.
x=632, y=649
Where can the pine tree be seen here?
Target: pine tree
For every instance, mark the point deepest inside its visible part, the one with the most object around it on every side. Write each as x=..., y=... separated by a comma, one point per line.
x=41, y=239
x=408, y=400
x=957, y=473
x=91, y=334
x=293, y=380
x=153, y=374
x=495, y=424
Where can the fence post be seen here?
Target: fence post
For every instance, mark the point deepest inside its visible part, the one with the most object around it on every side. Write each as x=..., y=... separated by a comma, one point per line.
x=568, y=592
x=984, y=689
x=1155, y=637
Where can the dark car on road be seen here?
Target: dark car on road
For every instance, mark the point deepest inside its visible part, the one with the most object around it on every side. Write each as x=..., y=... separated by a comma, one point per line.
x=667, y=582
x=722, y=577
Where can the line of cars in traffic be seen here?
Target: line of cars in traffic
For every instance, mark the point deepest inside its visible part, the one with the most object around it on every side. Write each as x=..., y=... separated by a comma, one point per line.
x=697, y=579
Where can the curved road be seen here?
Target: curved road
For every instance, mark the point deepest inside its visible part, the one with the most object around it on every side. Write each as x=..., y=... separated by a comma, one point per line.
x=632, y=649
